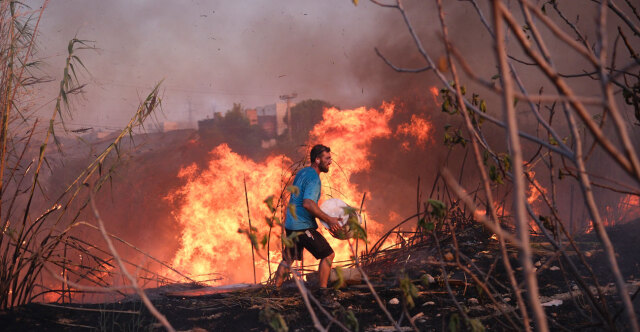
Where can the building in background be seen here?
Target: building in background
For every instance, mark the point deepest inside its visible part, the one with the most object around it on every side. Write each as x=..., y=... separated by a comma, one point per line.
x=252, y=115
x=166, y=126
x=271, y=118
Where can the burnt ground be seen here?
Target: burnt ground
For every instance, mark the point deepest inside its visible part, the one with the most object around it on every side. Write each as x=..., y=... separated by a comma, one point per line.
x=252, y=309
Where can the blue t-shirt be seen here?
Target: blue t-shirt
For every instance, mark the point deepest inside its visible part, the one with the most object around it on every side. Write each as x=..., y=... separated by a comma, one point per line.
x=308, y=182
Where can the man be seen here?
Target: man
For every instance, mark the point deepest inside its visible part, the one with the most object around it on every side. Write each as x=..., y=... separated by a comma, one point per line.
x=305, y=203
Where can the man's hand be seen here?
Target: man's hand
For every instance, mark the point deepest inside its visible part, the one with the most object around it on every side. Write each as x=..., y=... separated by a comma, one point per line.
x=314, y=209
x=334, y=224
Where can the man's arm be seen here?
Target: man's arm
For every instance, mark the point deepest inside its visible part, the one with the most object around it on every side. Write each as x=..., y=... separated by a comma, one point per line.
x=314, y=209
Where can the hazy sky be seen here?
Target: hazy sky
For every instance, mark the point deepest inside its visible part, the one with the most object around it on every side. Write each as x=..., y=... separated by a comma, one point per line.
x=214, y=53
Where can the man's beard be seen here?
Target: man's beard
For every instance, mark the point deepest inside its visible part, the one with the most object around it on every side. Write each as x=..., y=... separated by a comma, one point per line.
x=323, y=168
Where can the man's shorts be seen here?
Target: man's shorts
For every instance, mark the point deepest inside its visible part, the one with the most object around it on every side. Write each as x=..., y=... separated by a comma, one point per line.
x=311, y=240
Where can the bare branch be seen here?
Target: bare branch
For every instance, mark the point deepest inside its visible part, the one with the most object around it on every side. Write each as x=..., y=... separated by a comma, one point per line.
x=398, y=69
x=522, y=224
x=123, y=269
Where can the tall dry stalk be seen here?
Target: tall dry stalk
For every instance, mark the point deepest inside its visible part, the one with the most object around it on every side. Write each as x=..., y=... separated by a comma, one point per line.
x=33, y=239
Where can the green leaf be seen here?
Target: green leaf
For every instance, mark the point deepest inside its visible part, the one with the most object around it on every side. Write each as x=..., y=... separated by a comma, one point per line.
x=426, y=225
x=294, y=190
x=269, y=202
x=429, y=226
x=506, y=161
x=292, y=210
x=454, y=323
x=495, y=175
x=273, y=319
x=446, y=107
x=409, y=291
x=439, y=209
x=425, y=280
x=288, y=240
x=340, y=282
x=265, y=240
x=476, y=325
x=352, y=321
x=348, y=318
x=253, y=239
x=356, y=228
x=269, y=221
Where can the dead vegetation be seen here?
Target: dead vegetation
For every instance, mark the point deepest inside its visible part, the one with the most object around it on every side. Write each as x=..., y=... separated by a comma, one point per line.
x=37, y=242
x=474, y=256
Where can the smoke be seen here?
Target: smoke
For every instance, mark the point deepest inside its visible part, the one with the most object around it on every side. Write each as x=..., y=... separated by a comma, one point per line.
x=214, y=53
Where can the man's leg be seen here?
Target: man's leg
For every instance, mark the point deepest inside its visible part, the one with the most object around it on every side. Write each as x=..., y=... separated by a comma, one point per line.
x=283, y=269
x=324, y=270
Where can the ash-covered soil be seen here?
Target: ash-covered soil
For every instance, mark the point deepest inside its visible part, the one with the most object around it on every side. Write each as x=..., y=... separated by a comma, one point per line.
x=436, y=306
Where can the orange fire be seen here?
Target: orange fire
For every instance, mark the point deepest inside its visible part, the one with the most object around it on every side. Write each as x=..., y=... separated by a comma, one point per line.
x=435, y=93
x=211, y=206
x=533, y=194
x=499, y=211
x=627, y=209
x=349, y=134
x=533, y=198
x=418, y=128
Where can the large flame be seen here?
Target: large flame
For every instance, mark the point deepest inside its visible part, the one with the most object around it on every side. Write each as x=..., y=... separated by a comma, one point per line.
x=213, y=208
x=349, y=135
x=211, y=205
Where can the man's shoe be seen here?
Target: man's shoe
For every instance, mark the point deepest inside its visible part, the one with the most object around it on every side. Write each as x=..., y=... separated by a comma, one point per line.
x=327, y=298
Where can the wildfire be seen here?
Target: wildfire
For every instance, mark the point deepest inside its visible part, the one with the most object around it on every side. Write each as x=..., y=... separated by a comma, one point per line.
x=533, y=194
x=418, y=128
x=213, y=208
x=627, y=209
x=481, y=212
x=349, y=134
x=435, y=93
x=211, y=205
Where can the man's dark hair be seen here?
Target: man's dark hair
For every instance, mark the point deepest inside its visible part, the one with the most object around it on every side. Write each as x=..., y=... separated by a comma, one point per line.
x=317, y=150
